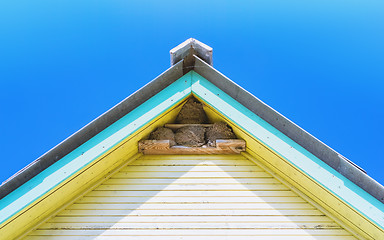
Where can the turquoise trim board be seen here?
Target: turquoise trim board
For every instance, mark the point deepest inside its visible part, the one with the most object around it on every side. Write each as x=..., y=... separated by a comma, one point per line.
x=93, y=148
x=323, y=174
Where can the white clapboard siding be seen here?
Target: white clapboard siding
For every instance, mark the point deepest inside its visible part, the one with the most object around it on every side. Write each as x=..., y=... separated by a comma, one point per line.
x=191, y=197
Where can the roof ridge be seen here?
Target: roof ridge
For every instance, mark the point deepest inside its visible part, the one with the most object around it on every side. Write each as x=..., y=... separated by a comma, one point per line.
x=188, y=48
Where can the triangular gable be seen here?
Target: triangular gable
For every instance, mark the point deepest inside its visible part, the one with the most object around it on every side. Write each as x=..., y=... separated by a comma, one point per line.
x=189, y=197
x=83, y=165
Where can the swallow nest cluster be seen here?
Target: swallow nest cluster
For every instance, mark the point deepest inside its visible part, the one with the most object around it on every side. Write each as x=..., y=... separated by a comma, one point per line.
x=193, y=136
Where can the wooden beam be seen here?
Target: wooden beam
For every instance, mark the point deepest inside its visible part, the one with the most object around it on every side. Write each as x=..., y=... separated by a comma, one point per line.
x=175, y=126
x=223, y=146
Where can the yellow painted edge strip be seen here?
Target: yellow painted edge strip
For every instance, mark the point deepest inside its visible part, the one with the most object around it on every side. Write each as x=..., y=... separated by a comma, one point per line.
x=43, y=207
x=334, y=205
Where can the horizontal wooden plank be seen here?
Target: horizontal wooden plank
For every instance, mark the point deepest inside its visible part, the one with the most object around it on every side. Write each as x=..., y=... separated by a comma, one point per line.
x=161, y=181
x=193, y=175
x=193, y=219
x=216, y=194
x=186, y=199
x=197, y=232
x=150, y=169
x=132, y=206
x=188, y=225
x=201, y=237
x=186, y=212
x=194, y=157
x=194, y=187
x=192, y=162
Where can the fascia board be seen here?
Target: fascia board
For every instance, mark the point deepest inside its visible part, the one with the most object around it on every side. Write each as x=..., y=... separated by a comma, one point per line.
x=86, y=153
x=288, y=149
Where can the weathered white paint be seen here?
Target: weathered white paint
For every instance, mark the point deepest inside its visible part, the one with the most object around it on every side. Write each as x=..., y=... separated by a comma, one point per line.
x=184, y=197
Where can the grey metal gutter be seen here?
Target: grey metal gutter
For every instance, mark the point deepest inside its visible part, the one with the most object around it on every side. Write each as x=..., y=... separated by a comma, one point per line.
x=92, y=129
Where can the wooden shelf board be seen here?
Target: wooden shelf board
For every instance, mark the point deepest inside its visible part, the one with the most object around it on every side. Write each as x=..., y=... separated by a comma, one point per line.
x=175, y=126
x=223, y=146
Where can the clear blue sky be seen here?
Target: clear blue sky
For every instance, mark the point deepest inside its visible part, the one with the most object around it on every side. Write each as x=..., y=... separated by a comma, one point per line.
x=319, y=63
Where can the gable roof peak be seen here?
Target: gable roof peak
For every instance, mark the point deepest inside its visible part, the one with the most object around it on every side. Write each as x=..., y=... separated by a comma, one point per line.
x=191, y=47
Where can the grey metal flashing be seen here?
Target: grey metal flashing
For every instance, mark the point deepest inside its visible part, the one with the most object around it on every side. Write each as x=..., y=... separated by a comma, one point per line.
x=189, y=47
x=341, y=164
x=92, y=129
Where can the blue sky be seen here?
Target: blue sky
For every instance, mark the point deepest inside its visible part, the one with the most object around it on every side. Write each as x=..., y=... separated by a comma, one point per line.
x=319, y=63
